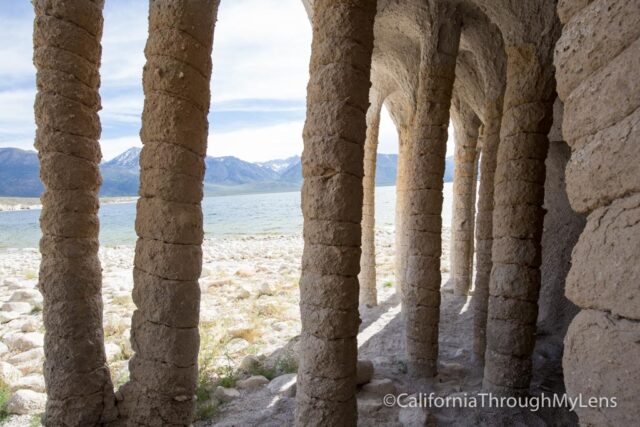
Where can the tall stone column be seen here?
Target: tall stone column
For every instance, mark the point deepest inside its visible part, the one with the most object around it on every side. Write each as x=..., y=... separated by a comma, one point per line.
x=367, y=276
x=400, y=261
x=67, y=56
x=598, y=71
x=463, y=221
x=484, y=223
x=168, y=256
x=517, y=220
x=332, y=193
x=425, y=172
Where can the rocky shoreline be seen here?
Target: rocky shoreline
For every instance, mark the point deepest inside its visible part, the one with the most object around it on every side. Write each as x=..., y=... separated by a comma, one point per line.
x=258, y=276
x=11, y=204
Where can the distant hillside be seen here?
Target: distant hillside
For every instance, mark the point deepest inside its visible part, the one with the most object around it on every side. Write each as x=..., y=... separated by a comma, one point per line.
x=121, y=175
x=19, y=174
x=280, y=165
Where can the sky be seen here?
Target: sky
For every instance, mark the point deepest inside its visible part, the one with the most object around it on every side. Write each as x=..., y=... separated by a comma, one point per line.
x=260, y=71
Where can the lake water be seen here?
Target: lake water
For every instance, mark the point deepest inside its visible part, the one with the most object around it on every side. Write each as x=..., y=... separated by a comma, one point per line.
x=250, y=214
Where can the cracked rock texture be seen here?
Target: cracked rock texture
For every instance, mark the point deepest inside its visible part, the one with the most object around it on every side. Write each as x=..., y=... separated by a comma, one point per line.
x=598, y=80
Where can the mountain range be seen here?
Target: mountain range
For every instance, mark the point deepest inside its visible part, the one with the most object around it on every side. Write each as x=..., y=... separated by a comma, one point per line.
x=19, y=174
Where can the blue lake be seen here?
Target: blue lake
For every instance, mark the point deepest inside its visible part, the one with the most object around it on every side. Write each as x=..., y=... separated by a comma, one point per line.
x=224, y=216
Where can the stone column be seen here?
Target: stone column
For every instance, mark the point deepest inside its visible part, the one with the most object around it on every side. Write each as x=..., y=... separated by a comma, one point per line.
x=367, y=276
x=462, y=225
x=67, y=56
x=484, y=223
x=598, y=72
x=168, y=256
x=401, y=210
x=425, y=172
x=332, y=194
x=517, y=220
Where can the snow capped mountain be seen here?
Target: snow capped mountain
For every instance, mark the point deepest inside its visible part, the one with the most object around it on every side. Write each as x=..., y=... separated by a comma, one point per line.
x=280, y=165
x=128, y=159
x=19, y=174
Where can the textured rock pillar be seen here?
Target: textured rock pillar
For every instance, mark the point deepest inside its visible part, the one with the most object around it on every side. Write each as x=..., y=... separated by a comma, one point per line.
x=367, y=276
x=400, y=262
x=333, y=168
x=484, y=224
x=517, y=220
x=67, y=55
x=168, y=258
x=425, y=172
x=463, y=219
x=555, y=311
x=598, y=72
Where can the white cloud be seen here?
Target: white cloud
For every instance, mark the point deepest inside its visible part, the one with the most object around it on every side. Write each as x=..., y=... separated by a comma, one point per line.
x=124, y=37
x=261, y=50
x=258, y=144
x=388, y=136
x=16, y=49
x=17, y=120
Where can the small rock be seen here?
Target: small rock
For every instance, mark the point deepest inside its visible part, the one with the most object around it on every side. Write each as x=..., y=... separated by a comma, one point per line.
x=31, y=325
x=224, y=394
x=206, y=272
x=112, y=351
x=244, y=273
x=32, y=296
x=8, y=316
x=9, y=373
x=370, y=407
x=252, y=383
x=3, y=348
x=413, y=417
x=237, y=344
x=26, y=356
x=279, y=326
x=24, y=342
x=284, y=385
x=380, y=386
x=31, y=382
x=266, y=289
x=249, y=363
x=18, y=307
x=24, y=402
x=452, y=367
x=243, y=293
x=364, y=371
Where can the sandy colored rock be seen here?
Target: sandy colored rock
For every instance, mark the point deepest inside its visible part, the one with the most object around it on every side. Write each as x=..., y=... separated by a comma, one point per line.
x=252, y=383
x=168, y=261
x=224, y=394
x=66, y=115
x=332, y=194
x=24, y=402
x=380, y=387
x=284, y=385
x=367, y=276
x=466, y=125
x=425, y=168
x=9, y=373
